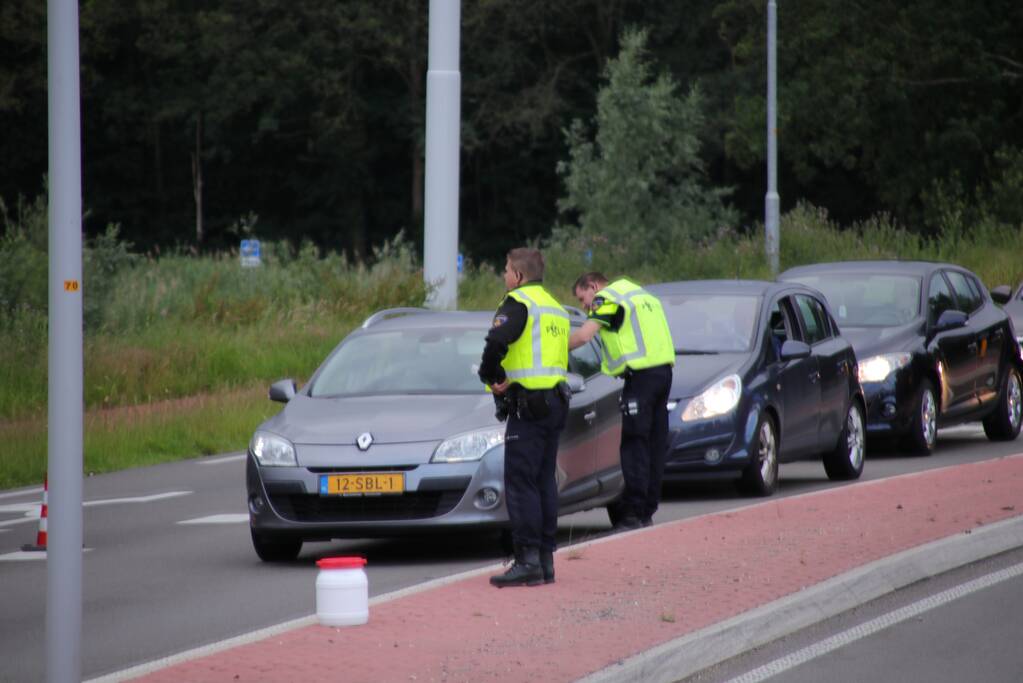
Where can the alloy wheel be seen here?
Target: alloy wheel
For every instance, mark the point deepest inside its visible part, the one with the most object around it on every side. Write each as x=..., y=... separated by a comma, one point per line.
x=1014, y=404
x=767, y=453
x=854, y=441
x=928, y=418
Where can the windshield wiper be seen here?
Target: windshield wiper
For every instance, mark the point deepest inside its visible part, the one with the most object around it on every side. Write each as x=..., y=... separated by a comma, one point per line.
x=695, y=352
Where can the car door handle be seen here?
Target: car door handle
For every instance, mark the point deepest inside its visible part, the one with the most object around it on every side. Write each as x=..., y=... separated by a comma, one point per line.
x=972, y=347
x=814, y=376
x=843, y=366
x=590, y=416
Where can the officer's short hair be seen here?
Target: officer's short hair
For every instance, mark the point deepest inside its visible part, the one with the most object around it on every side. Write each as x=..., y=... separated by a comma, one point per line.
x=527, y=261
x=586, y=279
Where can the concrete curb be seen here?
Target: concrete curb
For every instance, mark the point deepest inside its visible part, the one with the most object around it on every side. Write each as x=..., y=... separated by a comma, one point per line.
x=685, y=656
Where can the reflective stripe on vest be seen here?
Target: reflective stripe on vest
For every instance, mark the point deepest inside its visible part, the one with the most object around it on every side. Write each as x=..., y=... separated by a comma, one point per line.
x=537, y=375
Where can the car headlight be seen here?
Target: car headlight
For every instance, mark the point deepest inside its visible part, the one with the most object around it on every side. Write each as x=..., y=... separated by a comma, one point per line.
x=877, y=368
x=470, y=446
x=272, y=450
x=719, y=399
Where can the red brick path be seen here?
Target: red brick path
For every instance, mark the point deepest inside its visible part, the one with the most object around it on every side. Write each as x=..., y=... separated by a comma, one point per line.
x=624, y=596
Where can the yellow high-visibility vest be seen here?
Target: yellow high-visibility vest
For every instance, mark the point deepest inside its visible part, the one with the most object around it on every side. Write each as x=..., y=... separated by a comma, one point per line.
x=643, y=340
x=538, y=359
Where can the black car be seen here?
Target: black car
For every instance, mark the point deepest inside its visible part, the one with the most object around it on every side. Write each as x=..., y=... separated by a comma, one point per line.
x=762, y=376
x=1012, y=304
x=933, y=348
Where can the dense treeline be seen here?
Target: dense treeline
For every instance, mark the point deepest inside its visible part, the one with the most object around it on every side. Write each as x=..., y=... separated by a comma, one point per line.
x=304, y=119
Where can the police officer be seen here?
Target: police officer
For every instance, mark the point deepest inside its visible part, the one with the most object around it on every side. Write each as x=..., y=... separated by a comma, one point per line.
x=636, y=346
x=525, y=363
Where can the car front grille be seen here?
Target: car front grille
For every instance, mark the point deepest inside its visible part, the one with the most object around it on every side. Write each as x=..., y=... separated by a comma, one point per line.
x=302, y=507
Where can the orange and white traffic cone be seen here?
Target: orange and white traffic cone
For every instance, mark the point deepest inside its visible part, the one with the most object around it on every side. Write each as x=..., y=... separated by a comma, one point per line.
x=41, y=535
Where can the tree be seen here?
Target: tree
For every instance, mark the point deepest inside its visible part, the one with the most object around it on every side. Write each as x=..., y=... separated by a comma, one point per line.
x=878, y=101
x=640, y=179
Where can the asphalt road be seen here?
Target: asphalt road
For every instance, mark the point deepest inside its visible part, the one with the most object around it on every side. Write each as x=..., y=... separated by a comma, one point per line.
x=168, y=564
x=961, y=626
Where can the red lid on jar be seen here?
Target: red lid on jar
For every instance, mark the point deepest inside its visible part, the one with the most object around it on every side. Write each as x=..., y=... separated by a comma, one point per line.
x=341, y=563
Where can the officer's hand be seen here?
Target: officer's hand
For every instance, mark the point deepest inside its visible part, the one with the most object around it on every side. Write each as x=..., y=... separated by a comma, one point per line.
x=499, y=389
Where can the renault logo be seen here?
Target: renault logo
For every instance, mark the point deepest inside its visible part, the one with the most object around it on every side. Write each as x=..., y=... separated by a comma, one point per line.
x=364, y=441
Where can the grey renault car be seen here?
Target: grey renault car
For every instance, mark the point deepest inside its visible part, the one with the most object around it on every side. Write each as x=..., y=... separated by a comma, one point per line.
x=394, y=434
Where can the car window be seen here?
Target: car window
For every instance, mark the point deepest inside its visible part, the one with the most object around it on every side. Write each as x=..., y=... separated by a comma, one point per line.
x=968, y=299
x=782, y=328
x=584, y=360
x=811, y=313
x=867, y=299
x=978, y=289
x=720, y=323
x=939, y=299
x=419, y=361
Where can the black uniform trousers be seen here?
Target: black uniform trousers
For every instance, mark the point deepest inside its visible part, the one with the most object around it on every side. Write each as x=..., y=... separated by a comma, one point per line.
x=644, y=439
x=531, y=489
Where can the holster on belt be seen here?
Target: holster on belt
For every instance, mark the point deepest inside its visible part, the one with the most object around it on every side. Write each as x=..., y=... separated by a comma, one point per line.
x=529, y=404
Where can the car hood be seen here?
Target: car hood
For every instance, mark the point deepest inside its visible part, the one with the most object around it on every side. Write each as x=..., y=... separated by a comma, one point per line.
x=870, y=341
x=1015, y=311
x=390, y=419
x=693, y=373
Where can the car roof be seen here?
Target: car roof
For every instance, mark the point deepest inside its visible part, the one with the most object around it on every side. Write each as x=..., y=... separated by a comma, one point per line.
x=738, y=287
x=421, y=318
x=892, y=266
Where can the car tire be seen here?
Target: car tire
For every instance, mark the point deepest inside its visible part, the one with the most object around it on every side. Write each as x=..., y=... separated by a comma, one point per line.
x=846, y=460
x=1004, y=423
x=614, y=512
x=923, y=431
x=274, y=547
x=760, y=478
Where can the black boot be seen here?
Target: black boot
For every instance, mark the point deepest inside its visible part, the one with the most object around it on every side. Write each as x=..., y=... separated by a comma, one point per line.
x=547, y=565
x=525, y=572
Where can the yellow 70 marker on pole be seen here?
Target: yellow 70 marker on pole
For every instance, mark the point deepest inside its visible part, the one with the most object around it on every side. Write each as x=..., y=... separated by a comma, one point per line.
x=71, y=285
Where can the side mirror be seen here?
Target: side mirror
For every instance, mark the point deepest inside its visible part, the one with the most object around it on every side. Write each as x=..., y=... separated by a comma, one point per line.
x=1001, y=294
x=282, y=391
x=576, y=383
x=792, y=349
x=949, y=320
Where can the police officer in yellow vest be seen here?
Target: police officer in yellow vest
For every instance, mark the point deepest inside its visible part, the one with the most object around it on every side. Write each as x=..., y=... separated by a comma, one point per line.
x=525, y=361
x=636, y=346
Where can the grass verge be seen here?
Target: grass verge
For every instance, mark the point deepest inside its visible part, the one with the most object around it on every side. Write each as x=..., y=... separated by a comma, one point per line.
x=134, y=436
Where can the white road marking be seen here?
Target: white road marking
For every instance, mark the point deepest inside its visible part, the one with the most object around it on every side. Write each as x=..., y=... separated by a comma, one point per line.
x=221, y=461
x=136, y=499
x=218, y=519
x=28, y=555
x=29, y=512
x=23, y=555
x=26, y=492
x=820, y=648
x=32, y=511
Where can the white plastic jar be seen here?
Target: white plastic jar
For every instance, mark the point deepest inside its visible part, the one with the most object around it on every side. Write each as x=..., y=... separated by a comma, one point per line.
x=342, y=591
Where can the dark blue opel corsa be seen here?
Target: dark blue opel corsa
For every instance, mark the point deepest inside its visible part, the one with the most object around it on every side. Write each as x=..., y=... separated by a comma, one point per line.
x=762, y=376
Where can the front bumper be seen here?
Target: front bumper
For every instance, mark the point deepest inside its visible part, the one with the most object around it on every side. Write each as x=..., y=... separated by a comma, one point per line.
x=708, y=449
x=437, y=496
x=890, y=405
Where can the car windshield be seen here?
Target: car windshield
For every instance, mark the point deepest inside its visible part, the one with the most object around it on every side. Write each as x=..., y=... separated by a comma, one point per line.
x=419, y=361
x=868, y=299
x=711, y=323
